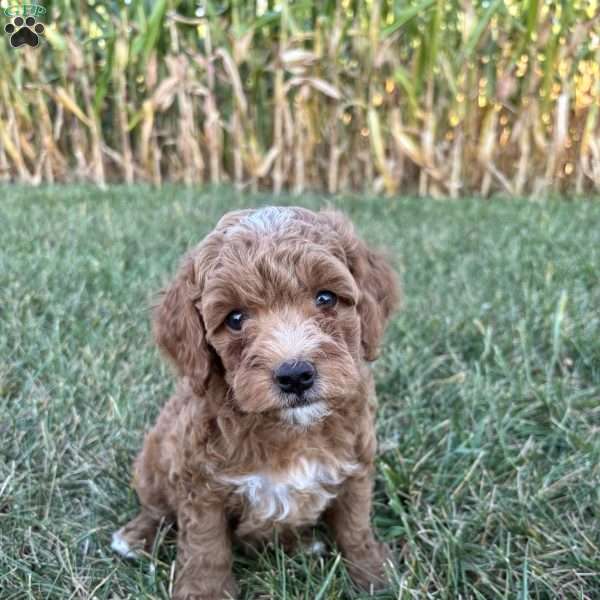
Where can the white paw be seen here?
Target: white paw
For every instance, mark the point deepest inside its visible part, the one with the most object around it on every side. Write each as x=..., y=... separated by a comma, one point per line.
x=120, y=546
x=316, y=548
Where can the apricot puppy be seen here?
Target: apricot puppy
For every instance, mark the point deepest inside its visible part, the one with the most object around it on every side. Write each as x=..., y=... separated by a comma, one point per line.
x=270, y=322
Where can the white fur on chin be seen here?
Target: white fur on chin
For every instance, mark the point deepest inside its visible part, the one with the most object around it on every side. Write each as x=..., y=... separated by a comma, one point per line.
x=305, y=415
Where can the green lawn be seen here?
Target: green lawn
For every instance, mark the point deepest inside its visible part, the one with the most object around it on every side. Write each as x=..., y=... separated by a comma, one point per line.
x=489, y=386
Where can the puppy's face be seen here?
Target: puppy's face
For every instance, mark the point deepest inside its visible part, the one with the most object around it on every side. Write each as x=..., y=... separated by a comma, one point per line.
x=279, y=299
x=280, y=311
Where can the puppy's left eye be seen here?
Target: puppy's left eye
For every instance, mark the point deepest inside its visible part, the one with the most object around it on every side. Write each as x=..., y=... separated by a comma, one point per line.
x=235, y=319
x=325, y=299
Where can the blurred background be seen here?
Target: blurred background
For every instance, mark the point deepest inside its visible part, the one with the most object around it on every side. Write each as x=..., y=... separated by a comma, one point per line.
x=435, y=97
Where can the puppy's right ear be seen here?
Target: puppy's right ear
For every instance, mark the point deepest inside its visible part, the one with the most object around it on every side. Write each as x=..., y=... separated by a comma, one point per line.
x=179, y=329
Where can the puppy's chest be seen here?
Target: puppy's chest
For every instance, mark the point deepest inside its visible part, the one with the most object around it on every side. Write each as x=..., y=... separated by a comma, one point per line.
x=296, y=496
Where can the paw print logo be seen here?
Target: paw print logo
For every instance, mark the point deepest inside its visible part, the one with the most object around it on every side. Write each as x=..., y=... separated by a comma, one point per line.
x=24, y=31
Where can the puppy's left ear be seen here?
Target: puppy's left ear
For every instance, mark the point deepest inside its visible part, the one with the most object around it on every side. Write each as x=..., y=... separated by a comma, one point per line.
x=377, y=283
x=380, y=295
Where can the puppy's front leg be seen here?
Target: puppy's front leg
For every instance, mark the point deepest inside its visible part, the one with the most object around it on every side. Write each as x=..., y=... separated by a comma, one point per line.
x=349, y=518
x=204, y=555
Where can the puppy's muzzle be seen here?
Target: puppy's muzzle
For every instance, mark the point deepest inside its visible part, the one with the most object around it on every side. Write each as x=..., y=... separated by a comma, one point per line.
x=295, y=377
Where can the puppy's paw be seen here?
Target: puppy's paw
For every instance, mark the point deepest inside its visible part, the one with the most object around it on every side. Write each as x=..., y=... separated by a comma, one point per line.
x=368, y=569
x=315, y=548
x=121, y=546
x=195, y=590
x=135, y=537
x=303, y=543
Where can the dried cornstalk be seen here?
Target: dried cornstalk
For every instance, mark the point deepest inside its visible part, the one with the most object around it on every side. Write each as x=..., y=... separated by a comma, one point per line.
x=382, y=96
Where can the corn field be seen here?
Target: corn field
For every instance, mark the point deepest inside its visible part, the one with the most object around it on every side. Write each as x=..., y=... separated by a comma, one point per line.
x=435, y=97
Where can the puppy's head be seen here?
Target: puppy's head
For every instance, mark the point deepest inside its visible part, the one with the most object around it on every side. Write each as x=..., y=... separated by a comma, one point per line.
x=285, y=304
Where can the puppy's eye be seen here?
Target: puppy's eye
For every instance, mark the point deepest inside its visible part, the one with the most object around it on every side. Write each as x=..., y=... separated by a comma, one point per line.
x=235, y=319
x=325, y=299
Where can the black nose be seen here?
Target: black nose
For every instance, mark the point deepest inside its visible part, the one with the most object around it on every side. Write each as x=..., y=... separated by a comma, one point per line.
x=295, y=377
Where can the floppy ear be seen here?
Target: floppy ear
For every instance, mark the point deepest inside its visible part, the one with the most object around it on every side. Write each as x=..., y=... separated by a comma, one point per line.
x=379, y=296
x=179, y=330
x=377, y=282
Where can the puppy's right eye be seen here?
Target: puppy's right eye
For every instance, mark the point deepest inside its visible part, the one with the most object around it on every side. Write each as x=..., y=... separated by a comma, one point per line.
x=235, y=319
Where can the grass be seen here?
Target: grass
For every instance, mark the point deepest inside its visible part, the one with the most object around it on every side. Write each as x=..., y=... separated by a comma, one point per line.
x=489, y=385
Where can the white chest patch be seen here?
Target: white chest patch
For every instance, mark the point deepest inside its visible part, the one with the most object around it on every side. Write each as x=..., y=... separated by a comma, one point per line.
x=298, y=495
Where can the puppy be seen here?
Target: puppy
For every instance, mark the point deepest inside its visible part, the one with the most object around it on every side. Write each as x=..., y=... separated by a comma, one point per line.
x=270, y=323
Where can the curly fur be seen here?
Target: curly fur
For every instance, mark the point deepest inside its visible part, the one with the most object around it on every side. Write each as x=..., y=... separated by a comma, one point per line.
x=229, y=455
